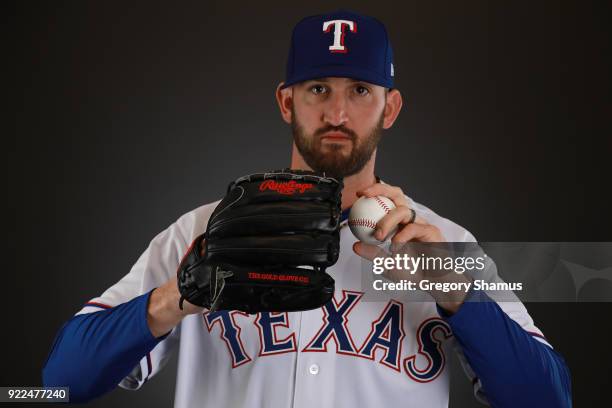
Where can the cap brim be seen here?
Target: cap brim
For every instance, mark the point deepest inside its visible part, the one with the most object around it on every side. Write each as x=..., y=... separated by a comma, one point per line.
x=340, y=71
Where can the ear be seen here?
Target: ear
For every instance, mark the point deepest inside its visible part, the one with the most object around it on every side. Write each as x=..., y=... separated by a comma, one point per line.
x=393, y=105
x=284, y=98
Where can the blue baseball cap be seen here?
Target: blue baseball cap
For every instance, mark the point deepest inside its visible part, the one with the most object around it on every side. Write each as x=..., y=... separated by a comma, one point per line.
x=340, y=44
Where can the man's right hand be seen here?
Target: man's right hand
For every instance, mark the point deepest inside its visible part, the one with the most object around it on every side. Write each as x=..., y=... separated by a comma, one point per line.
x=163, y=312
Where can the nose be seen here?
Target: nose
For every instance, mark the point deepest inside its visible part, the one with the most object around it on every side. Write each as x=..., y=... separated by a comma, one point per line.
x=335, y=112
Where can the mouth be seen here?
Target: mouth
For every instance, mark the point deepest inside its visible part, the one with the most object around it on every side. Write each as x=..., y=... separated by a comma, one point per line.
x=335, y=136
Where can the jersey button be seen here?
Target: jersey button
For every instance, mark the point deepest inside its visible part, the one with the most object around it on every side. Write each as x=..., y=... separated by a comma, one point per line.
x=313, y=369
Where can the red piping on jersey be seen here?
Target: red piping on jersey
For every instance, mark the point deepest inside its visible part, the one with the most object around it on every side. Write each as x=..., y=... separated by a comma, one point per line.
x=537, y=335
x=96, y=304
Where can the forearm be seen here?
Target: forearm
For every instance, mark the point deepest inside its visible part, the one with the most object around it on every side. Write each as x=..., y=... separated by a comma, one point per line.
x=163, y=313
x=514, y=368
x=94, y=352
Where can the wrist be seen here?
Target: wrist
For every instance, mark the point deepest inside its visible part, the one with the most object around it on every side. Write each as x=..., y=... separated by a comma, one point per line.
x=452, y=300
x=450, y=307
x=163, y=313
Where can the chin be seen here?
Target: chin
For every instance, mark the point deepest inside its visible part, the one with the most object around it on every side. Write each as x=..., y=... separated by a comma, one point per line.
x=333, y=160
x=336, y=150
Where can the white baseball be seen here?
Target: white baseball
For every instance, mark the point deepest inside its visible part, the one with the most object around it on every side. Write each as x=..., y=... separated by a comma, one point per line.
x=364, y=216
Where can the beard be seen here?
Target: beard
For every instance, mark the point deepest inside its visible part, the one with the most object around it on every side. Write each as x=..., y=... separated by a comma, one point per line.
x=332, y=159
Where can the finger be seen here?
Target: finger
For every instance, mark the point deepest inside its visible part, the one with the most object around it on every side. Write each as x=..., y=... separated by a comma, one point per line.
x=390, y=222
x=361, y=193
x=419, y=220
x=394, y=193
x=368, y=251
x=416, y=232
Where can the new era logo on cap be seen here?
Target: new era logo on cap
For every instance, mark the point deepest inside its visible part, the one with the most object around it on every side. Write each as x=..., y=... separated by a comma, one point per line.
x=340, y=44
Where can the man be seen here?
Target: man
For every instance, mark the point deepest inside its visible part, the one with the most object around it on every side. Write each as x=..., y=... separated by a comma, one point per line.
x=338, y=96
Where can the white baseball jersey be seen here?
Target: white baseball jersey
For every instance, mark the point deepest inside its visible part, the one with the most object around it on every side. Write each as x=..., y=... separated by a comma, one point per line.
x=351, y=352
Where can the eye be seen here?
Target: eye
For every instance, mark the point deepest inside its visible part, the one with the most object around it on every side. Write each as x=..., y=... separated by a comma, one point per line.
x=361, y=90
x=318, y=89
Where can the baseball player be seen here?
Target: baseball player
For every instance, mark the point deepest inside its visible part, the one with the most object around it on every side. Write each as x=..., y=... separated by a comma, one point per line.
x=338, y=96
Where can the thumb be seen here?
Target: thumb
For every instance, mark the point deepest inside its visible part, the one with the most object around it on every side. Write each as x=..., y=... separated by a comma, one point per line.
x=368, y=251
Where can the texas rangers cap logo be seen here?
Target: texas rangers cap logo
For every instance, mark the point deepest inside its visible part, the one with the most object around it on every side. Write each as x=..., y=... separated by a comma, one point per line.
x=339, y=33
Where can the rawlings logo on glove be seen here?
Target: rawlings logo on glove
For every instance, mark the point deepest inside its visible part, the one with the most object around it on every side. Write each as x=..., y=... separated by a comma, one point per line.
x=289, y=187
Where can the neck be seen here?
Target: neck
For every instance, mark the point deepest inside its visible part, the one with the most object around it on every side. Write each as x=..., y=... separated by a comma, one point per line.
x=352, y=184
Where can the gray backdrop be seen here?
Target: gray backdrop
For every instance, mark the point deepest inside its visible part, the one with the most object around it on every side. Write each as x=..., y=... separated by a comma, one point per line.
x=125, y=115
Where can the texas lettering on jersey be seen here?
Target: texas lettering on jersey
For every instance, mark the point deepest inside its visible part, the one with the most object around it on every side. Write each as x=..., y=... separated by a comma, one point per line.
x=386, y=334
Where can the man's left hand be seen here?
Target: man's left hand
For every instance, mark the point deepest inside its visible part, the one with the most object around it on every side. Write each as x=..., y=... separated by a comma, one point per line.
x=398, y=223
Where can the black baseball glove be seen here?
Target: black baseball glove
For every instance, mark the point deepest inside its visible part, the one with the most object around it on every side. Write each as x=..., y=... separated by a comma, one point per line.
x=267, y=245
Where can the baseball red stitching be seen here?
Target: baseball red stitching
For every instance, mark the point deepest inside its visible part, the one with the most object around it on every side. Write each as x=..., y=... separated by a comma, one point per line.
x=363, y=222
x=382, y=204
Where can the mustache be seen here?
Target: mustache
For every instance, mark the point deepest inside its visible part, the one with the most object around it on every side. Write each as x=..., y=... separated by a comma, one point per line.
x=348, y=132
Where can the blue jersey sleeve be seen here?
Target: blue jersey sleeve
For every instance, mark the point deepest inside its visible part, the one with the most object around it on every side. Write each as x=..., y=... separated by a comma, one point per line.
x=514, y=368
x=93, y=352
